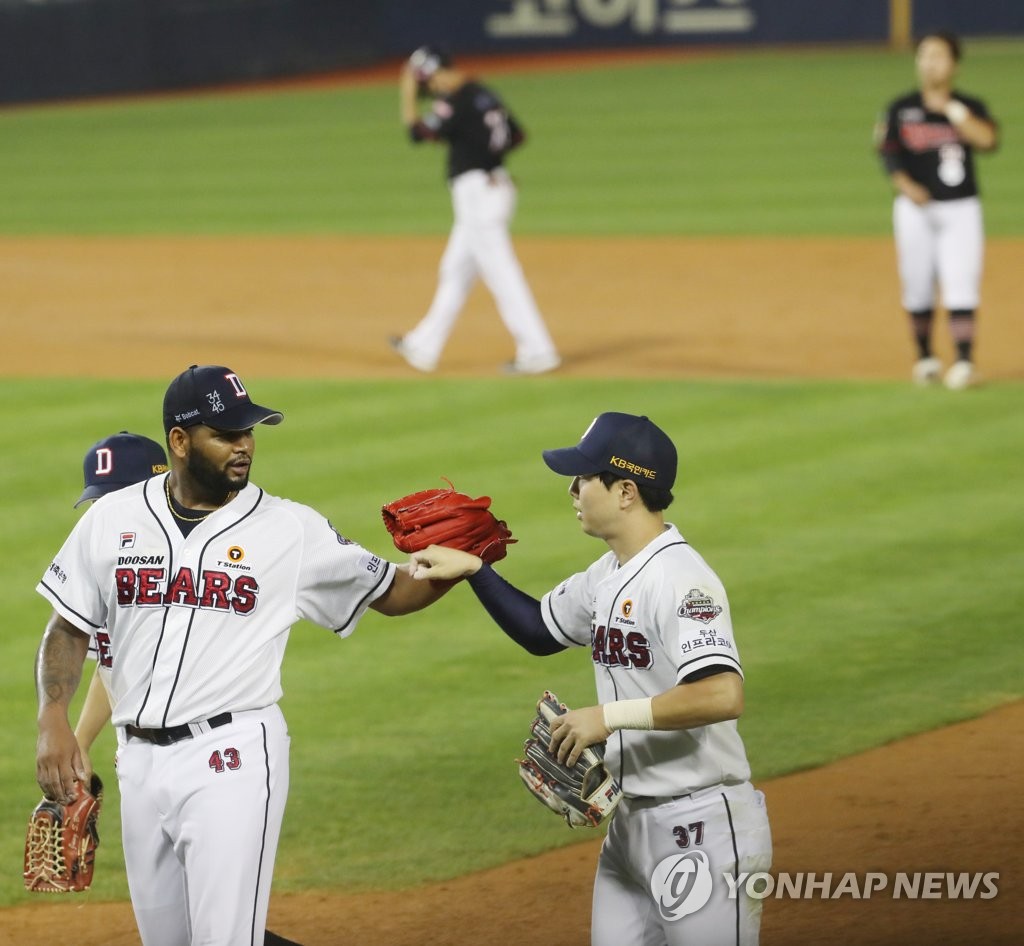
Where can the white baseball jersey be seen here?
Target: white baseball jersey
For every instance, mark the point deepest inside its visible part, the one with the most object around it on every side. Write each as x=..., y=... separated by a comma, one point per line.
x=197, y=626
x=658, y=618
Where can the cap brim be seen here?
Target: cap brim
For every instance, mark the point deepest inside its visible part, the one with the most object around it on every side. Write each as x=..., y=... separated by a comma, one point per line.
x=571, y=461
x=248, y=416
x=96, y=491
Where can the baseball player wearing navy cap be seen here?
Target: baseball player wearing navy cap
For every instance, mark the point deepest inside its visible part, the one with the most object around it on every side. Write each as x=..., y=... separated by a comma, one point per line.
x=196, y=576
x=656, y=621
x=480, y=131
x=110, y=464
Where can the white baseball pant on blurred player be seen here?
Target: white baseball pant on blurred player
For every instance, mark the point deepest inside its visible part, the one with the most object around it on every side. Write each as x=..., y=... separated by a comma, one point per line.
x=479, y=245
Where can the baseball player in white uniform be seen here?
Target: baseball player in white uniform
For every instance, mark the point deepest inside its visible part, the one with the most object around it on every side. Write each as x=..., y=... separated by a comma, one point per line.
x=113, y=463
x=197, y=576
x=656, y=620
x=479, y=131
x=927, y=141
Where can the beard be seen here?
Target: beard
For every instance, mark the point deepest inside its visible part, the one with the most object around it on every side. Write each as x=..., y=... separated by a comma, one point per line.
x=216, y=483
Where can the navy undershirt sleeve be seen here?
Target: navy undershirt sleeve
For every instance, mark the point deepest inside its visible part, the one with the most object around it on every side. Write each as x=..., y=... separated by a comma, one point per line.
x=514, y=611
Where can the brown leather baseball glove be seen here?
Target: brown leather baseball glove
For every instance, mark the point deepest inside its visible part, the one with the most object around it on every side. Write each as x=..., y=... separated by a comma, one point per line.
x=447, y=517
x=60, y=846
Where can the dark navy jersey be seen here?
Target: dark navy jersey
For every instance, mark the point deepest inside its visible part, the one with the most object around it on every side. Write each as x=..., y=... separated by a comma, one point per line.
x=479, y=130
x=926, y=146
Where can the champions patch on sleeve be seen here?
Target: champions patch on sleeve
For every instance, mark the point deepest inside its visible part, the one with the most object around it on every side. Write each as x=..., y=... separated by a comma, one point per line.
x=698, y=606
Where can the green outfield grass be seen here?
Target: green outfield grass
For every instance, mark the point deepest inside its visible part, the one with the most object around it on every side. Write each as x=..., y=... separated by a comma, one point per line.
x=868, y=533
x=756, y=142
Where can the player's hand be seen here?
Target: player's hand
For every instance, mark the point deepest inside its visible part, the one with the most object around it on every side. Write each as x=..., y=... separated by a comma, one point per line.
x=918, y=193
x=58, y=761
x=577, y=729
x=442, y=564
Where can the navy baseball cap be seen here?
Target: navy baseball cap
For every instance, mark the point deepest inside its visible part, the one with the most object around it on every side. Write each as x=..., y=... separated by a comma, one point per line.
x=118, y=461
x=215, y=396
x=630, y=446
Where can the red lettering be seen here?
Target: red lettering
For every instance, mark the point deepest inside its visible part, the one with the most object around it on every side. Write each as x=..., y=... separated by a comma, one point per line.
x=616, y=648
x=639, y=649
x=611, y=647
x=215, y=591
x=246, y=590
x=124, y=580
x=148, y=590
x=182, y=589
x=597, y=642
x=103, y=653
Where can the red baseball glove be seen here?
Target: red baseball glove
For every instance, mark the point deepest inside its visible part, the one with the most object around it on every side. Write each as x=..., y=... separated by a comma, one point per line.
x=60, y=846
x=447, y=517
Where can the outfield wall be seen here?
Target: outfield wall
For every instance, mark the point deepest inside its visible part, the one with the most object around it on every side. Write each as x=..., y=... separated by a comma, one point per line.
x=73, y=48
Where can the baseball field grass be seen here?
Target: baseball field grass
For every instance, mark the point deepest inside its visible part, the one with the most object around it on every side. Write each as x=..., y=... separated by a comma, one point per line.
x=868, y=532
x=868, y=535
x=742, y=143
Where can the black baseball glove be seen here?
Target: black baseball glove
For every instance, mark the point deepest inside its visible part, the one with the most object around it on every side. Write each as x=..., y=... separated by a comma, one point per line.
x=584, y=794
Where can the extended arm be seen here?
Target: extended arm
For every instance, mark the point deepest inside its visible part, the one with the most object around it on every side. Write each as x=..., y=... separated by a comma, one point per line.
x=58, y=672
x=685, y=706
x=407, y=595
x=515, y=612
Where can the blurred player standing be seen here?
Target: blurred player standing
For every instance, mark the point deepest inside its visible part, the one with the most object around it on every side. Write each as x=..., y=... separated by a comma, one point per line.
x=479, y=131
x=927, y=141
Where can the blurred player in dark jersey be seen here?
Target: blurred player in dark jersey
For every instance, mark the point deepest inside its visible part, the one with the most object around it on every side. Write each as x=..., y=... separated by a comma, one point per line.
x=927, y=141
x=479, y=131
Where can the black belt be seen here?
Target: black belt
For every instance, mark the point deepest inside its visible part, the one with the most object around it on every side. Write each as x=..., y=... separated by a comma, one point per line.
x=173, y=734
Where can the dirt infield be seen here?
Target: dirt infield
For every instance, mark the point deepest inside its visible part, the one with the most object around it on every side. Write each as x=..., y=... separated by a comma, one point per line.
x=662, y=308
x=946, y=801
x=323, y=307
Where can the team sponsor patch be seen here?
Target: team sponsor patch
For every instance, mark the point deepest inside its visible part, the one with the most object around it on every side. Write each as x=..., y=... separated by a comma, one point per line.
x=236, y=553
x=623, y=618
x=127, y=540
x=698, y=606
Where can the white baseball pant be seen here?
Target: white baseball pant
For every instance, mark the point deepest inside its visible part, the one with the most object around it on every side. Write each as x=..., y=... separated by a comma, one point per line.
x=941, y=241
x=201, y=821
x=479, y=245
x=660, y=874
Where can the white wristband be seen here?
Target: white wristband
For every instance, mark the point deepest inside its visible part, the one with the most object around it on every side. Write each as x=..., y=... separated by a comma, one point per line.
x=956, y=111
x=629, y=714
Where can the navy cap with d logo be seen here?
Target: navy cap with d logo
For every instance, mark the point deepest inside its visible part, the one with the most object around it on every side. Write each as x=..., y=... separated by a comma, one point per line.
x=630, y=446
x=215, y=396
x=119, y=461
